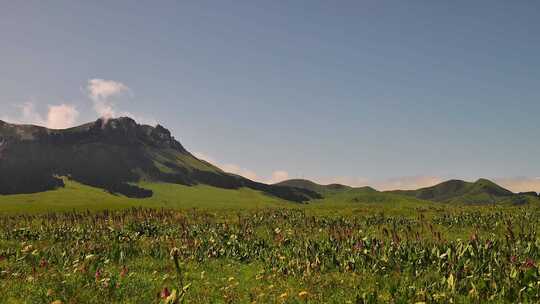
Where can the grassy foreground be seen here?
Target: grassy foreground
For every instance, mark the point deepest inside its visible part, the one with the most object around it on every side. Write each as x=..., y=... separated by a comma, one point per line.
x=271, y=256
x=82, y=245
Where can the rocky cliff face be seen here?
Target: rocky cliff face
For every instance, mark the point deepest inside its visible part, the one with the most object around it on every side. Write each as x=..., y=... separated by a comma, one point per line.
x=113, y=155
x=121, y=131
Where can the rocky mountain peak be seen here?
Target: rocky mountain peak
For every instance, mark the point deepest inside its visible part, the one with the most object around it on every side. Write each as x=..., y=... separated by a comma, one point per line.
x=114, y=131
x=125, y=130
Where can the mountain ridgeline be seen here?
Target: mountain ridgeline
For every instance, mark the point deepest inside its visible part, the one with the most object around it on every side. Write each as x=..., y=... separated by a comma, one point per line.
x=307, y=184
x=482, y=191
x=114, y=155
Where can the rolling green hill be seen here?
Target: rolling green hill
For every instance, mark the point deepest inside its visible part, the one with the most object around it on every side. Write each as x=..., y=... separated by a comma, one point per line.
x=482, y=191
x=76, y=196
x=312, y=186
x=341, y=196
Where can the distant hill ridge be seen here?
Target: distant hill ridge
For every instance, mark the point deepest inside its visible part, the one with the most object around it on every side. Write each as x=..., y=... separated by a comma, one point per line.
x=321, y=189
x=483, y=191
x=111, y=154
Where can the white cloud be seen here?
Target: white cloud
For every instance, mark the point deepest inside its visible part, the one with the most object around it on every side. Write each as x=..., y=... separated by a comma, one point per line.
x=62, y=116
x=407, y=183
x=520, y=184
x=204, y=157
x=103, y=89
x=235, y=169
x=102, y=93
x=105, y=94
x=30, y=115
x=58, y=116
x=27, y=114
x=278, y=176
x=227, y=167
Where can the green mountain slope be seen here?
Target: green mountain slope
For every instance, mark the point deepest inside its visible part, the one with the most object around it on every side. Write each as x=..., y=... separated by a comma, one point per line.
x=76, y=196
x=113, y=155
x=482, y=191
x=336, y=195
x=312, y=186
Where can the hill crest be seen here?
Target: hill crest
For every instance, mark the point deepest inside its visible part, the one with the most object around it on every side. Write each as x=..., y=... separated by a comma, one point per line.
x=459, y=191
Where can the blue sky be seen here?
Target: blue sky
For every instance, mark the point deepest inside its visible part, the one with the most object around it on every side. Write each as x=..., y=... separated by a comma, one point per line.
x=396, y=94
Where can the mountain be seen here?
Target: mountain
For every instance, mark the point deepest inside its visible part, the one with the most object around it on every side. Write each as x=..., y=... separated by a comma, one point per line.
x=458, y=191
x=312, y=186
x=115, y=155
x=341, y=195
x=453, y=191
x=123, y=157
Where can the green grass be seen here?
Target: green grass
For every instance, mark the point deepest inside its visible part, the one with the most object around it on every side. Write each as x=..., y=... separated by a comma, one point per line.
x=242, y=246
x=482, y=191
x=272, y=256
x=161, y=156
x=361, y=201
x=324, y=190
x=76, y=196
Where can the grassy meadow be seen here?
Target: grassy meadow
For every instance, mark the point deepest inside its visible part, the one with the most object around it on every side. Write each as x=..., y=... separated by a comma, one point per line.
x=79, y=197
x=207, y=245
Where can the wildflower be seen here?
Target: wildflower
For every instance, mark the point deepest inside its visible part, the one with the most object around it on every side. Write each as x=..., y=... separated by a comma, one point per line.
x=98, y=274
x=283, y=295
x=529, y=263
x=171, y=298
x=27, y=248
x=43, y=263
x=165, y=293
x=175, y=252
x=124, y=271
x=303, y=294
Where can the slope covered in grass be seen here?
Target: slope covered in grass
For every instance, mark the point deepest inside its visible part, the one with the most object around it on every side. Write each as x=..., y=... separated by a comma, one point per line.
x=482, y=191
x=312, y=186
x=371, y=201
x=76, y=196
x=324, y=190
